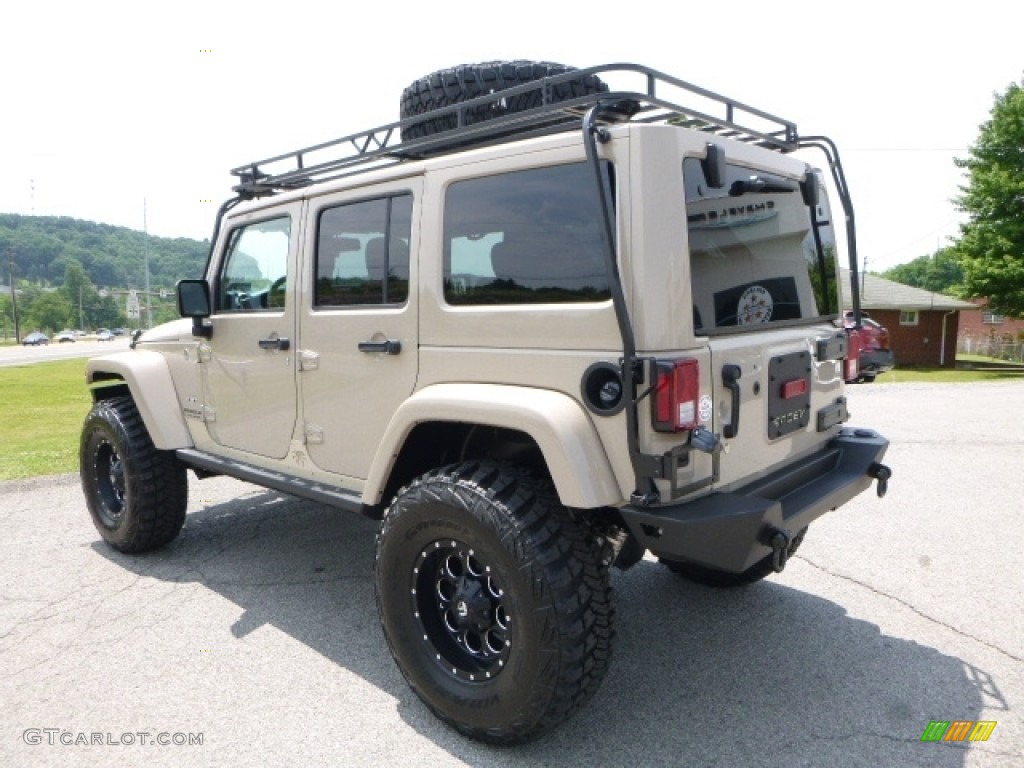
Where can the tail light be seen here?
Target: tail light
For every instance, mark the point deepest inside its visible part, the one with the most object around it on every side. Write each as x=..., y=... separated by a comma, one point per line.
x=676, y=391
x=883, y=338
x=853, y=354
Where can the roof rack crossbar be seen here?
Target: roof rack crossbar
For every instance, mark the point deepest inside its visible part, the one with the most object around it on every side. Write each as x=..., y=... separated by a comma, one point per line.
x=382, y=146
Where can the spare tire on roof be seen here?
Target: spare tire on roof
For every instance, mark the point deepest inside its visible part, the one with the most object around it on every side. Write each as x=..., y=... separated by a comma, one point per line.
x=448, y=87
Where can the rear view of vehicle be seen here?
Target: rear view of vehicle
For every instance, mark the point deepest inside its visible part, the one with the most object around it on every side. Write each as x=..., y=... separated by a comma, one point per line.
x=740, y=438
x=557, y=325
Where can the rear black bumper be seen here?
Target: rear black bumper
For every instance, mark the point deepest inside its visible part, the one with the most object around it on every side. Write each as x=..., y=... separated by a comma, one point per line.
x=731, y=531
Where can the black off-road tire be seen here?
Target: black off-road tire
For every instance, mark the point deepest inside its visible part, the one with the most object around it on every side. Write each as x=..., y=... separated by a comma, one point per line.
x=712, y=577
x=137, y=495
x=495, y=602
x=448, y=87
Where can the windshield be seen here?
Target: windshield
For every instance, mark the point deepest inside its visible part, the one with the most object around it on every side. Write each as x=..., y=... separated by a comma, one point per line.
x=759, y=255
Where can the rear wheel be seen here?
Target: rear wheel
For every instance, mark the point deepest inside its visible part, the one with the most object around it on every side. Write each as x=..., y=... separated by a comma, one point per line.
x=137, y=495
x=712, y=577
x=495, y=602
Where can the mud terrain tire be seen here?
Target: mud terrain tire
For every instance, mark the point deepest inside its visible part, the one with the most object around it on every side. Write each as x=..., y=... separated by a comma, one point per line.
x=495, y=602
x=137, y=495
x=448, y=87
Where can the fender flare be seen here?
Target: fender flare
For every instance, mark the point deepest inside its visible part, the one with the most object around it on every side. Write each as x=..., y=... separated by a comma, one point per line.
x=149, y=380
x=571, y=447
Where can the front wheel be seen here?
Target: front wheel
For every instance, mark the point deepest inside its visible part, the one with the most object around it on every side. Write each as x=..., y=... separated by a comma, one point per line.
x=495, y=602
x=137, y=495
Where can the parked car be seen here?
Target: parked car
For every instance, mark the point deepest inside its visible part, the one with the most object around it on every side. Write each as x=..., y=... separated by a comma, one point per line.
x=120, y=331
x=870, y=344
x=65, y=336
x=104, y=335
x=35, y=339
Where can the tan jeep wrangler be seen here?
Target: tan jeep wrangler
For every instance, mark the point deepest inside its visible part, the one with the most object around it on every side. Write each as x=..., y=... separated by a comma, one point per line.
x=538, y=327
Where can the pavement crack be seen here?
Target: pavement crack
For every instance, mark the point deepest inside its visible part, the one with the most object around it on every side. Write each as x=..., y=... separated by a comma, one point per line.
x=912, y=608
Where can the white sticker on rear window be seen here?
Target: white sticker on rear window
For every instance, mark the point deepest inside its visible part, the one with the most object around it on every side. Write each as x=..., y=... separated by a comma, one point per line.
x=755, y=306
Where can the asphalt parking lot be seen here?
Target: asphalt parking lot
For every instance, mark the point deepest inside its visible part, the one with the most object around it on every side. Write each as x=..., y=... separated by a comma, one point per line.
x=253, y=639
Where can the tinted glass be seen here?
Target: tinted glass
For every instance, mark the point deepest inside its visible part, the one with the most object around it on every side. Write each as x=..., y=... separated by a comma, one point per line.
x=758, y=254
x=363, y=253
x=255, y=271
x=525, y=237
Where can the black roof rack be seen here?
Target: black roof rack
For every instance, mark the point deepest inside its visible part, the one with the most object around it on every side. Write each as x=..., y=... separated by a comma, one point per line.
x=658, y=100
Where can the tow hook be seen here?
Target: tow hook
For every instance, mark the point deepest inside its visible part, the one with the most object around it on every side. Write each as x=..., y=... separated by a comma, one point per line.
x=881, y=473
x=779, y=541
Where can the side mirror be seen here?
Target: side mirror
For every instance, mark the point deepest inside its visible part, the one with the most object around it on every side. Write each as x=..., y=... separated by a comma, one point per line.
x=194, y=302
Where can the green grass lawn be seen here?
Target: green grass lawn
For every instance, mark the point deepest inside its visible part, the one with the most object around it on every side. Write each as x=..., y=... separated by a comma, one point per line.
x=946, y=375
x=44, y=405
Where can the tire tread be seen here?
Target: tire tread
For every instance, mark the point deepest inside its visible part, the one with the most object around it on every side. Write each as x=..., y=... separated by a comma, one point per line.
x=527, y=514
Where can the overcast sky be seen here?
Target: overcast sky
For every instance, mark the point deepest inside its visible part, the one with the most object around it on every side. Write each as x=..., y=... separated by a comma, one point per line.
x=108, y=104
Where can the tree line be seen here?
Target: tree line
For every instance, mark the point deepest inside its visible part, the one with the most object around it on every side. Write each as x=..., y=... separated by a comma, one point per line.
x=987, y=259
x=72, y=273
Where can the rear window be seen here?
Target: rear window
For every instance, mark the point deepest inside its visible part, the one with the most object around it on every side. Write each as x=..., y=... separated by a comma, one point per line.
x=759, y=256
x=525, y=237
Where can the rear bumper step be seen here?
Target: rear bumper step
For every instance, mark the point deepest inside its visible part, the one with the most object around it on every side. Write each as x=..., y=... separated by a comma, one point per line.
x=733, y=531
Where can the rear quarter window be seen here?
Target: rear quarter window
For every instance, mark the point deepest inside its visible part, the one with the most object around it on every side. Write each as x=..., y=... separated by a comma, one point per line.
x=525, y=237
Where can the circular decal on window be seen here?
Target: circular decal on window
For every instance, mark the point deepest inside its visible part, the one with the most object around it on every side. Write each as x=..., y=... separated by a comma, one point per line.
x=754, y=306
x=704, y=409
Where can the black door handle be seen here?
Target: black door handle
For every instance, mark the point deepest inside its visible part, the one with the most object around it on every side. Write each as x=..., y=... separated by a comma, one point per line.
x=731, y=379
x=388, y=347
x=278, y=343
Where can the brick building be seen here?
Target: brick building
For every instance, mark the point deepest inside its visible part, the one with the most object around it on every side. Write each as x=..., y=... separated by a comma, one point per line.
x=989, y=333
x=923, y=326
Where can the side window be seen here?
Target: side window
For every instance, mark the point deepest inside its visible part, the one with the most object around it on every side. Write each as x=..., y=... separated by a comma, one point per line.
x=255, y=273
x=525, y=237
x=362, y=254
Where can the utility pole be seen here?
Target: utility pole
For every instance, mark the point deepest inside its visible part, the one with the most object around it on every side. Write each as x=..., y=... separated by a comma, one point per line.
x=145, y=252
x=14, y=295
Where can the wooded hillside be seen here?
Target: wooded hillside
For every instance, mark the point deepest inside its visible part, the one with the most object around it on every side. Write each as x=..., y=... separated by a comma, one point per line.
x=79, y=274
x=112, y=257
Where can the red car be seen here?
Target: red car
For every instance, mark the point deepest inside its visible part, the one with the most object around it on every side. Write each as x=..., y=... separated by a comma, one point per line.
x=870, y=353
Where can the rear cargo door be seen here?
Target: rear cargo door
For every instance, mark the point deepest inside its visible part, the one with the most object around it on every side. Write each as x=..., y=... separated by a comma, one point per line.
x=762, y=264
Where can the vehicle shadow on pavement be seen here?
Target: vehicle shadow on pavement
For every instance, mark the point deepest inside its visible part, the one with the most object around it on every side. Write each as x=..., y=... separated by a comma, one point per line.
x=766, y=675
